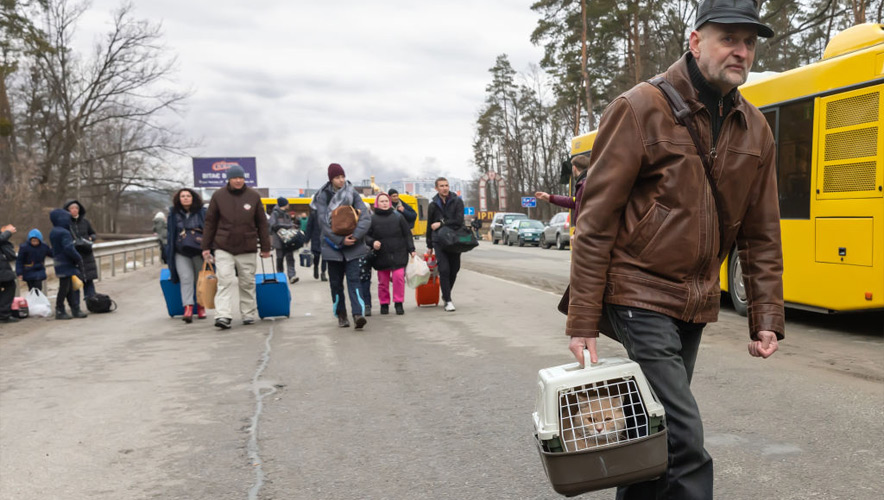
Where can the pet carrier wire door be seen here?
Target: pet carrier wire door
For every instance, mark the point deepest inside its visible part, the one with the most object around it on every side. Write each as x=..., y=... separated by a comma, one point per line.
x=598, y=427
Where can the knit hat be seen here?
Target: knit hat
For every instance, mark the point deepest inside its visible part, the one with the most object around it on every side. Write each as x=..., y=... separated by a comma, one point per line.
x=236, y=171
x=282, y=201
x=392, y=192
x=378, y=198
x=335, y=170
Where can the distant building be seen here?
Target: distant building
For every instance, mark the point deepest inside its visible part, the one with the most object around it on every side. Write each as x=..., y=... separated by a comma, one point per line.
x=293, y=192
x=426, y=187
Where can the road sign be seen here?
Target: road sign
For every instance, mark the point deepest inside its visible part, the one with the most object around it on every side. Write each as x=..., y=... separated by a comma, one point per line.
x=469, y=210
x=529, y=201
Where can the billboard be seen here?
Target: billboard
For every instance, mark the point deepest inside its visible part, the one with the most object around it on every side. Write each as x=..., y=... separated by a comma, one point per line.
x=212, y=172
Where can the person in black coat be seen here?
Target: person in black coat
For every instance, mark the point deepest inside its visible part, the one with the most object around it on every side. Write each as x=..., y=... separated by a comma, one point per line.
x=68, y=263
x=30, y=264
x=7, y=275
x=446, y=209
x=314, y=232
x=401, y=207
x=390, y=237
x=186, y=215
x=82, y=231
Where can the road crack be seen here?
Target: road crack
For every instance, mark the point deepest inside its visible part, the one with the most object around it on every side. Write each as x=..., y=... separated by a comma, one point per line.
x=259, y=392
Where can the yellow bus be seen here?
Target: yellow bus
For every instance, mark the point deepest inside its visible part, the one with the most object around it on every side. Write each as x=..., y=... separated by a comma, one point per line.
x=828, y=123
x=301, y=207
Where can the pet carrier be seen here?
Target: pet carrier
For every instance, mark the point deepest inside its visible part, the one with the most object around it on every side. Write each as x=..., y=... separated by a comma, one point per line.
x=598, y=427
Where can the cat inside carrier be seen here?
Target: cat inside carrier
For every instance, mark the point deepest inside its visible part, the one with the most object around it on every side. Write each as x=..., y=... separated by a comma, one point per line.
x=598, y=426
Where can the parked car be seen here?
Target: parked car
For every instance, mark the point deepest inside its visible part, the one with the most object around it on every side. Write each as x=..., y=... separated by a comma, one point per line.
x=523, y=231
x=500, y=220
x=557, y=232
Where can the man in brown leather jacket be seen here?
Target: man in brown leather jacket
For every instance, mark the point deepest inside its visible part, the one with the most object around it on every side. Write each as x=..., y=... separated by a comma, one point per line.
x=648, y=249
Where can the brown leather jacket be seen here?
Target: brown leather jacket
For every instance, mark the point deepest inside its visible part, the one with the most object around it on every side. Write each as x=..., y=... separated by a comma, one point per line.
x=647, y=235
x=236, y=221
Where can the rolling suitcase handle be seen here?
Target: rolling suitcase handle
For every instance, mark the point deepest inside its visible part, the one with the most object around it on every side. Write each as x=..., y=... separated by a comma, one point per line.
x=272, y=278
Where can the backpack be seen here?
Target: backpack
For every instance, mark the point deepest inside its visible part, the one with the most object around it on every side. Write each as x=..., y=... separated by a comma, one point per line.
x=100, y=303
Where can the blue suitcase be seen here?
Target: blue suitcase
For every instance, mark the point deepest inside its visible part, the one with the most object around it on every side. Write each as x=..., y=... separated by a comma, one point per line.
x=274, y=296
x=172, y=294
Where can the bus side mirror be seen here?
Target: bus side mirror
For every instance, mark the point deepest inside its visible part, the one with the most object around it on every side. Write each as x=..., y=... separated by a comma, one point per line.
x=565, y=176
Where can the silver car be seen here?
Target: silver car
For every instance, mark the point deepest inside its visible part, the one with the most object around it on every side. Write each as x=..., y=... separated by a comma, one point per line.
x=558, y=232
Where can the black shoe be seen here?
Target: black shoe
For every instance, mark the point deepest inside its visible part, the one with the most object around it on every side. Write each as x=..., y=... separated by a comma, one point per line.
x=9, y=319
x=360, y=321
x=62, y=315
x=399, y=310
x=366, y=311
x=343, y=322
x=76, y=313
x=315, y=272
x=323, y=277
x=294, y=279
x=223, y=323
x=385, y=308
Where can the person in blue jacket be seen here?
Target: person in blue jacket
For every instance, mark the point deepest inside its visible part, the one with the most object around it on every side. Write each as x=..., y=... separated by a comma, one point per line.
x=29, y=265
x=68, y=263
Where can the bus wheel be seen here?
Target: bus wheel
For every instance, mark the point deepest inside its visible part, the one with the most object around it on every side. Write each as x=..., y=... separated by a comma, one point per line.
x=735, y=285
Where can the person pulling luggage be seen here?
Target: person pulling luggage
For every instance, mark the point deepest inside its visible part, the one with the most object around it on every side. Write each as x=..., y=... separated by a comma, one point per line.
x=280, y=219
x=184, y=233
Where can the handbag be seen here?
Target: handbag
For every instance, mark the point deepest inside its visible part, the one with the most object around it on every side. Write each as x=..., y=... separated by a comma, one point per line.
x=459, y=240
x=206, y=286
x=292, y=239
x=190, y=242
x=100, y=303
x=344, y=220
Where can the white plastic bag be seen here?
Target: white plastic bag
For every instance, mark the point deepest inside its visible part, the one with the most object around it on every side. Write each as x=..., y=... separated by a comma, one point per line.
x=417, y=272
x=38, y=304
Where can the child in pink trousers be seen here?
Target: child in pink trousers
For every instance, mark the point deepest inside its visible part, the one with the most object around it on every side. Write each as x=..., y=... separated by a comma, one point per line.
x=391, y=241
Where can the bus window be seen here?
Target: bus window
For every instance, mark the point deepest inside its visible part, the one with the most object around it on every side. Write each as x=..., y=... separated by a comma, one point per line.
x=794, y=148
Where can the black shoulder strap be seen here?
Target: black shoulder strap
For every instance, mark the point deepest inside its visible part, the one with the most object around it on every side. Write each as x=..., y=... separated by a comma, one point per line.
x=683, y=117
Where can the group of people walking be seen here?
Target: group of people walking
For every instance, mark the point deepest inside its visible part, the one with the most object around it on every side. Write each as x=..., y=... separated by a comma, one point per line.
x=71, y=241
x=230, y=231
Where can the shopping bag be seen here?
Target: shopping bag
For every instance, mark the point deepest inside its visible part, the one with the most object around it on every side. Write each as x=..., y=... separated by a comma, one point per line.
x=417, y=272
x=76, y=282
x=38, y=304
x=206, y=286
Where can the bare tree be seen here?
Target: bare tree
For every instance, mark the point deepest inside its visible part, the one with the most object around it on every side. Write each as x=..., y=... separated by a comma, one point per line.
x=98, y=119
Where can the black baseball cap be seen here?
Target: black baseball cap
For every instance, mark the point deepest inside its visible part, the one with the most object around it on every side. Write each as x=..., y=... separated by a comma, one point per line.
x=731, y=12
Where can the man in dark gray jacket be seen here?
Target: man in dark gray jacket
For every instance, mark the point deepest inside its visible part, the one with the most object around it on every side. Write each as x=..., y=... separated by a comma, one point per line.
x=342, y=252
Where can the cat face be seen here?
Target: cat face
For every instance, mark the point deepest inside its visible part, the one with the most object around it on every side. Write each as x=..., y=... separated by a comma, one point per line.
x=597, y=420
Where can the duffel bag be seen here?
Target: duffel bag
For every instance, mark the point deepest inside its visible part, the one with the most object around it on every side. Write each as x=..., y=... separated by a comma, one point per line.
x=459, y=240
x=100, y=303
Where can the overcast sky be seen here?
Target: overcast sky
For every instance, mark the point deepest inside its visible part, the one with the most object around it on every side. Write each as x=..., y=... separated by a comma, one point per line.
x=390, y=87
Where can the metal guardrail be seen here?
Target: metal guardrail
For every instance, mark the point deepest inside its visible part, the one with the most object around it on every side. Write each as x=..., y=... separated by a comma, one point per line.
x=128, y=249
x=125, y=248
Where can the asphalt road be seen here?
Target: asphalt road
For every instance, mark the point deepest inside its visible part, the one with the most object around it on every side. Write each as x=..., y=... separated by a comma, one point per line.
x=135, y=405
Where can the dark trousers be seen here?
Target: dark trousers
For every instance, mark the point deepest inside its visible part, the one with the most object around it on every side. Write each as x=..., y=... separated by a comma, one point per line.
x=66, y=292
x=317, y=259
x=38, y=284
x=289, y=258
x=337, y=271
x=666, y=349
x=449, y=265
x=88, y=289
x=365, y=292
x=7, y=295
